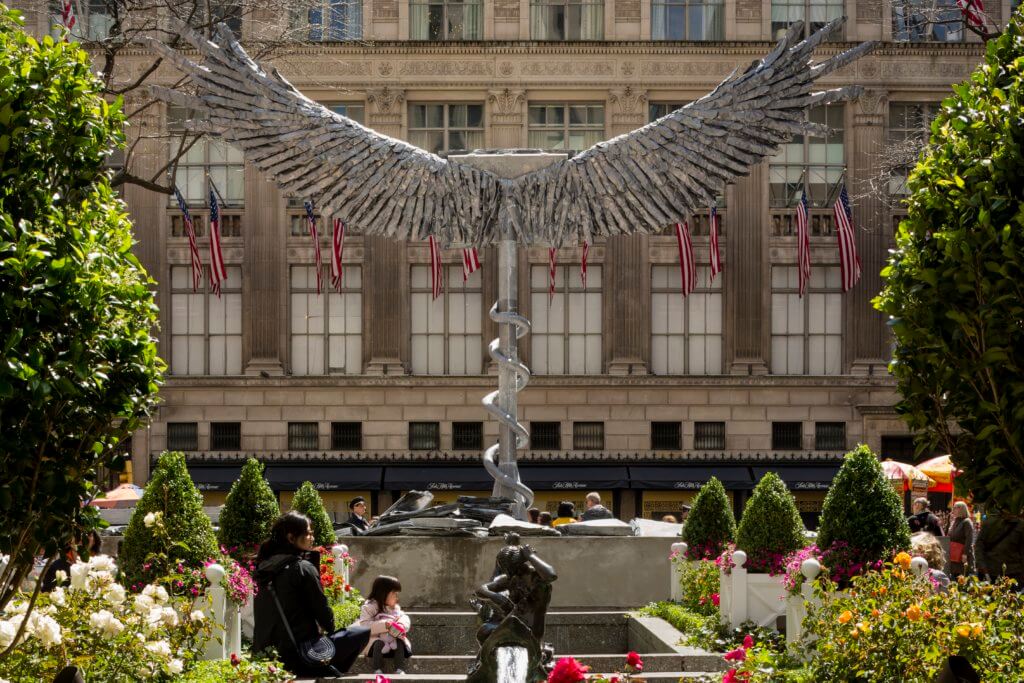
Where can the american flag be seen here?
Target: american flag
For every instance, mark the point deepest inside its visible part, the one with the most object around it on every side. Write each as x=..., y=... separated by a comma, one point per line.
x=552, y=270
x=803, y=244
x=67, y=16
x=337, y=249
x=687, y=266
x=583, y=264
x=315, y=236
x=190, y=230
x=973, y=11
x=436, y=268
x=218, y=273
x=715, y=256
x=849, y=261
x=470, y=262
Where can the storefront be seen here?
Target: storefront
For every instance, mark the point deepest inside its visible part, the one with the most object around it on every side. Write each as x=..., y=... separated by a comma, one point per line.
x=809, y=483
x=665, y=488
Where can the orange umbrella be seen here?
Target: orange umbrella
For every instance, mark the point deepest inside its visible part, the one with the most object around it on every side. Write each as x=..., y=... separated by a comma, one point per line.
x=124, y=496
x=906, y=473
x=942, y=470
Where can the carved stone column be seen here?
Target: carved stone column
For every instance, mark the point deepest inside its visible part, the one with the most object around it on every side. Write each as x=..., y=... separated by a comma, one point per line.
x=628, y=109
x=265, y=274
x=746, y=282
x=149, y=209
x=508, y=114
x=385, y=110
x=866, y=334
x=626, y=286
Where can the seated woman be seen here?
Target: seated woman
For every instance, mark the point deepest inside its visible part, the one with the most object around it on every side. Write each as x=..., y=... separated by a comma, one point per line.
x=382, y=606
x=287, y=568
x=566, y=514
x=923, y=544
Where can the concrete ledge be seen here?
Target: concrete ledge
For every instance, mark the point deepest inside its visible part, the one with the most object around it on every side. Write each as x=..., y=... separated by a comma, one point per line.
x=655, y=635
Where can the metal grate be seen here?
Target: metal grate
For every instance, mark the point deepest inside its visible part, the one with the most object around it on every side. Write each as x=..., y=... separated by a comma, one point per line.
x=346, y=436
x=787, y=436
x=467, y=436
x=830, y=436
x=424, y=436
x=588, y=436
x=546, y=436
x=182, y=436
x=225, y=436
x=303, y=436
x=666, y=436
x=899, y=448
x=708, y=436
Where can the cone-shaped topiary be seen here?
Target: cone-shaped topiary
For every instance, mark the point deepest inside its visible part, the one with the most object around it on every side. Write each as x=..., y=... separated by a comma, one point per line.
x=770, y=527
x=249, y=511
x=307, y=501
x=183, y=531
x=863, y=511
x=710, y=524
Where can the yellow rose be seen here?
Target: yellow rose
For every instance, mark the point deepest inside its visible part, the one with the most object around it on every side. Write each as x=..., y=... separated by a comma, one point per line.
x=845, y=616
x=976, y=629
x=903, y=560
x=964, y=630
x=913, y=613
x=864, y=626
x=875, y=613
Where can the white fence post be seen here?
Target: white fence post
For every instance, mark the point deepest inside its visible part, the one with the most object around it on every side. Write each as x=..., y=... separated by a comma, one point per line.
x=796, y=605
x=217, y=607
x=737, y=612
x=340, y=566
x=676, y=573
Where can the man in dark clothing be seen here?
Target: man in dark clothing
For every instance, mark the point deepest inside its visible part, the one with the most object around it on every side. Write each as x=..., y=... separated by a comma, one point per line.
x=923, y=519
x=999, y=550
x=357, y=515
x=594, y=508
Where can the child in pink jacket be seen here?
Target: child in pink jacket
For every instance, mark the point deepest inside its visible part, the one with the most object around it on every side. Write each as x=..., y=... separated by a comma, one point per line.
x=393, y=642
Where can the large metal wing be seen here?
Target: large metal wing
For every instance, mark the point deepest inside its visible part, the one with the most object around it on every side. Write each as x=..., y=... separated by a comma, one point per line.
x=657, y=175
x=378, y=184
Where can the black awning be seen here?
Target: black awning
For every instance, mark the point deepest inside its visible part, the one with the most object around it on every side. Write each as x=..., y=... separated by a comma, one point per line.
x=801, y=477
x=437, y=478
x=574, y=477
x=214, y=477
x=337, y=477
x=688, y=477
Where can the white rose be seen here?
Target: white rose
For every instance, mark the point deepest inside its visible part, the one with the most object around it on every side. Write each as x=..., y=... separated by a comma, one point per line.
x=143, y=603
x=175, y=666
x=47, y=630
x=160, y=648
x=57, y=597
x=149, y=520
x=197, y=616
x=105, y=623
x=102, y=563
x=169, y=617
x=157, y=593
x=17, y=608
x=60, y=576
x=8, y=629
x=115, y=594
x=98, y=580
x=79, y=576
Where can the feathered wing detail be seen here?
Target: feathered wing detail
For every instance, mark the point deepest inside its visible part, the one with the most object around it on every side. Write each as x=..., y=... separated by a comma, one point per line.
x=377, y=184
x=657, y=175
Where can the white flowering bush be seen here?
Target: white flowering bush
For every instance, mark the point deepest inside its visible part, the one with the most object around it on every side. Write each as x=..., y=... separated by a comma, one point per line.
x=93, y=623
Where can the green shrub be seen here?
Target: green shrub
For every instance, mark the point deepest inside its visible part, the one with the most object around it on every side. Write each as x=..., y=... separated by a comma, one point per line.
x=771, y=527
x=307, y=501
x=245, y=671
x=249, y=511
x=710, y=633
x=710, y=525
x=863, y=511
x=171, y=493
x=700, y=586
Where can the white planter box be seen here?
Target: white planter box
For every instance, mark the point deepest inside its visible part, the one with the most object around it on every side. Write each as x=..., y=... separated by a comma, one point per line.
x=750, y=597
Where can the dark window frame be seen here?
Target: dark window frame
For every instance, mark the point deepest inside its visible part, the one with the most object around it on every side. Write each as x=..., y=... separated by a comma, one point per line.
x=424, y=436
x=187, y=436
x=787, y=436
x=225, y=436
x=667, y=435
x=467, y=436
x=830, y=436
x=708, y=436
x=346, y=436
x=550, y=436
x=300, y=441
x=588, y=436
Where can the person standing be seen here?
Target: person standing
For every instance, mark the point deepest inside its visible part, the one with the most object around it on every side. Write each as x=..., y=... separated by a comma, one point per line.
x=357, y=515
x=961, y=541
x=923, y=519
x=1000, y=547
x=594, y=508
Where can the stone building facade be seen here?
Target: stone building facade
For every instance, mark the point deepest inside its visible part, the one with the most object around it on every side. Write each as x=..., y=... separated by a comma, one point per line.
x=636, y=392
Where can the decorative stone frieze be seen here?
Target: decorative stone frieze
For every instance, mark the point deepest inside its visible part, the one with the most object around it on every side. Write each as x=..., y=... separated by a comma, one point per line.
x=629, y=106
x=385, y=111
x=869, y=108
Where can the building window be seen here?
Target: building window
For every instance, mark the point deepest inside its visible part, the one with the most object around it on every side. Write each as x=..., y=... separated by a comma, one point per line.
x=346, y=436
x=326, y=329
x=900, y=448
x=566, y=126
x=686, y=334
x=225, y=436
x=327, y=20
x=787, y=436
x=566, y=334
x=687, y=19
x=446, y=19
x=467, y=436
x=230, y=13
x=303, y=436
x=656, y=110
x=424, y=436
x=567, y=19
x=588, y=436
x=807, y=333
x=666, y=436
x=94, y=20
x=708, y=436
x=446, y=127
x=209, y=157
x=830, y=436
x=814, y=13
x=354, y=111
x=927, y=20
x=206, y=331
x=545, y=436
x=182, y=436
x=811, y=165
x=447, y=332
x=909, y=129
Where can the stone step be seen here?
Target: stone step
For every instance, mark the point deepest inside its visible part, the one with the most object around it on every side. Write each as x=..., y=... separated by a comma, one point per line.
x=436, y=664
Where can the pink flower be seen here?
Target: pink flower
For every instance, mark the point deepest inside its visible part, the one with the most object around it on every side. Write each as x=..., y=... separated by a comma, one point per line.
x=715, y=599
x=748, y=642
x=737, y=655
x=568, y=670
x=729, y=676
x=381, y=679
x=633, y=660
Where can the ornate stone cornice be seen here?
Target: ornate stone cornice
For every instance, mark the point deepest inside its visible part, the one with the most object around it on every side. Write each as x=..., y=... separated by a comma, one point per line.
x=385, y=101
x=869, y=108
x=506, y=106
x=630, y=105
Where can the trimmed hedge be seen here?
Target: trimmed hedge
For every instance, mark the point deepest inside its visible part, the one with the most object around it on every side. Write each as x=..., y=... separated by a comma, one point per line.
x=770, y=526
x=710, y=525
x=307, y=501
x=249, y=511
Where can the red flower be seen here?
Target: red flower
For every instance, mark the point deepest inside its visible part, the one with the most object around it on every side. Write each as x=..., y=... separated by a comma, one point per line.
x=568, y=670
x=737, y=655
x=235, y=661
x=729, y=676
x=633, y=660
x=748, y=642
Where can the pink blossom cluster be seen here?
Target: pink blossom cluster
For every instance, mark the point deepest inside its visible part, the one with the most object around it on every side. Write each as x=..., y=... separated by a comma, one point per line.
x=738, y=655
x=704, y=551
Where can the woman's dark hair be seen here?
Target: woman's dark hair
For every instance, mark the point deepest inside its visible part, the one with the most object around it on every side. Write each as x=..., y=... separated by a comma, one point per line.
x=382, y=587
x=566, y=509
x=544, y=518
x=291, y=523
x=534, y=514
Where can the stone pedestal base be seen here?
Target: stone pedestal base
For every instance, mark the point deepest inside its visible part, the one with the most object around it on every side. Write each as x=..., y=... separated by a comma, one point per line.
x=748, y=367
x=385, y=367
x=263, y=367
x=627, y=366
x=869, y=368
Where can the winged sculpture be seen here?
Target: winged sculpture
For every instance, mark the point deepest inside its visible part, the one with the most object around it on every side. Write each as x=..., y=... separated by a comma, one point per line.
x=639, y=182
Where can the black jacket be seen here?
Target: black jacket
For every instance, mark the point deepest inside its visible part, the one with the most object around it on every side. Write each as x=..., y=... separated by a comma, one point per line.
x=357, y=523
x=597, y=512
x=925, y=521
x=297, y=583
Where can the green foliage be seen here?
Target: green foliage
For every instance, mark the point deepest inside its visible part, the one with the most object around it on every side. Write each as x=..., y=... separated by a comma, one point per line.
x=172, y=494
x=862, y=510
x=249, y=511
x=953, y=284
x=700, y=584
x=346, y=611
x=771, y=526
x=710, y=524
x=708, y=632
x=246, y=671
x=79, y=370
x=307, y=501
